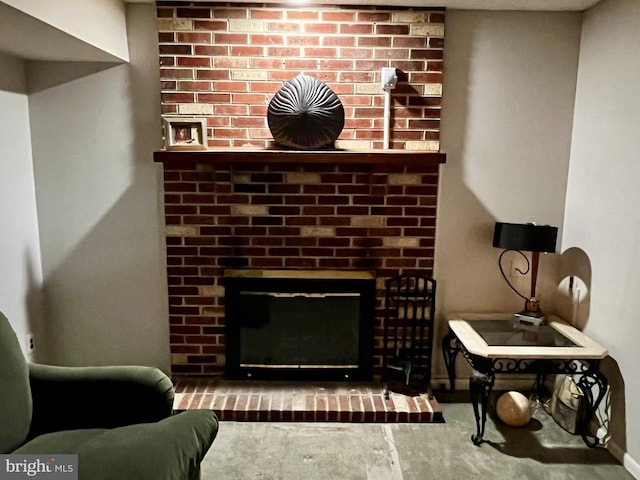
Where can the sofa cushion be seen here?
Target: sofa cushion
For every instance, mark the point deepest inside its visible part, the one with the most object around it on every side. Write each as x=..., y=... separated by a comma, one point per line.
x=162, y=450
x=68, y=441
x=15, y=393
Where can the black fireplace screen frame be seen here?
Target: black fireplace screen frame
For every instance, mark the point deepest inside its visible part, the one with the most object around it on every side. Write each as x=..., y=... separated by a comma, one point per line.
x=239, y=289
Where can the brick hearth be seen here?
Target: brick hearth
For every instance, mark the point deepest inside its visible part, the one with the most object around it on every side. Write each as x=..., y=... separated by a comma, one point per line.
x=308, y=402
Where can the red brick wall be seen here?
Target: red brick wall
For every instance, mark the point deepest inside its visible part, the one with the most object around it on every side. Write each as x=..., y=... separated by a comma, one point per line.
x=226, y=61
x=375, y=218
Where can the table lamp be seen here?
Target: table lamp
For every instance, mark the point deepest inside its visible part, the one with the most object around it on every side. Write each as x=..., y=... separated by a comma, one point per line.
x=532, y=238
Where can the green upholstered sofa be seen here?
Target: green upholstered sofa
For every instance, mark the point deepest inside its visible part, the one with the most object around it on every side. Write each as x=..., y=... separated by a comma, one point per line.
x=118, y=420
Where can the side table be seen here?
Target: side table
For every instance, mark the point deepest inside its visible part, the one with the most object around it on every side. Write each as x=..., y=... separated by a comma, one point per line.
x=501, y=344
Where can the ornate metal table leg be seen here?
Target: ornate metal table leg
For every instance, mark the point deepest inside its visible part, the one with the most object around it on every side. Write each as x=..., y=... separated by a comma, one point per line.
x=586, y=384
x=538, y=386
x=450, y=352
x=480, y=385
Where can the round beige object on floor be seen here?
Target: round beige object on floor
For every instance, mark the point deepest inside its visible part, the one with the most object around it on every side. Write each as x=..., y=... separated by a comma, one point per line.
x=513, y=409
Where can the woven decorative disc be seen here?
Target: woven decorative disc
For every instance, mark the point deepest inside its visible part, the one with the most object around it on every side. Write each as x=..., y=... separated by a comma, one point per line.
x=305, y=114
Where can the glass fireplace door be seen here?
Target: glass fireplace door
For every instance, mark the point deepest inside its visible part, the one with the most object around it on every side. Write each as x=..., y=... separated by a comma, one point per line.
x=299, y=330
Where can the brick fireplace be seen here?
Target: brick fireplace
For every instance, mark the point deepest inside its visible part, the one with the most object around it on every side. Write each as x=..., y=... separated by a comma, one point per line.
x=245, y=204
x=332, y=210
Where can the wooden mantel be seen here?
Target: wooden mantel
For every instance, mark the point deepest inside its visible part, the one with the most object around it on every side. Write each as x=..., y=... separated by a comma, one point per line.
x=401, y=157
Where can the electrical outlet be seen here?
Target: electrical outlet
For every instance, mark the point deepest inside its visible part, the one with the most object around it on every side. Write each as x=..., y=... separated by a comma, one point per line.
x=31, y=344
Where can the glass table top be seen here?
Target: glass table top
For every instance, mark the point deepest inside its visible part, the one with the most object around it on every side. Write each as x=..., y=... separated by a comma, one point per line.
x=513, y=333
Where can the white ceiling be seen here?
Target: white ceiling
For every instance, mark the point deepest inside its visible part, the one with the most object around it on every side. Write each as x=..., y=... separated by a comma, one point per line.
x=549, y=5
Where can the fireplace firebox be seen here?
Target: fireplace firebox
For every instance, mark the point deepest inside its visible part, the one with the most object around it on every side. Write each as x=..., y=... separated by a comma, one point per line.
x=299, y=324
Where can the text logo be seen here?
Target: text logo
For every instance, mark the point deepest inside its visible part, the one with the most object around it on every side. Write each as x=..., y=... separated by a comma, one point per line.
x=49, y=467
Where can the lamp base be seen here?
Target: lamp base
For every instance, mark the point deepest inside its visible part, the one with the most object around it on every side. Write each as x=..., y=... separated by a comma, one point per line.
x=524, y=318
x=532, y=313
x=532, y=308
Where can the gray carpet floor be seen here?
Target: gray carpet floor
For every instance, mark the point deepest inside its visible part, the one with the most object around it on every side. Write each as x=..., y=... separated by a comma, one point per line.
x=341, y=451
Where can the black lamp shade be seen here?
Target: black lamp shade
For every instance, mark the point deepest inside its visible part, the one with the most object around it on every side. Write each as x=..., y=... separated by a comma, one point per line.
x=525, y=236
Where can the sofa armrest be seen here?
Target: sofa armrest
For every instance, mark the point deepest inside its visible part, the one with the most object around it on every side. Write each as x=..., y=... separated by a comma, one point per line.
x=66, y=398
x=171, y=449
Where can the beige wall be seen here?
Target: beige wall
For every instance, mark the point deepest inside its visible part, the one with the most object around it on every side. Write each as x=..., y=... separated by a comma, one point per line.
x=506, y=128
x=602, y=216
x=21, y=276
x=101, y=230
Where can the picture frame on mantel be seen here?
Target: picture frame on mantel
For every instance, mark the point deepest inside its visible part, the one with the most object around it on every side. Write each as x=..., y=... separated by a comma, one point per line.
x=183, y=133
